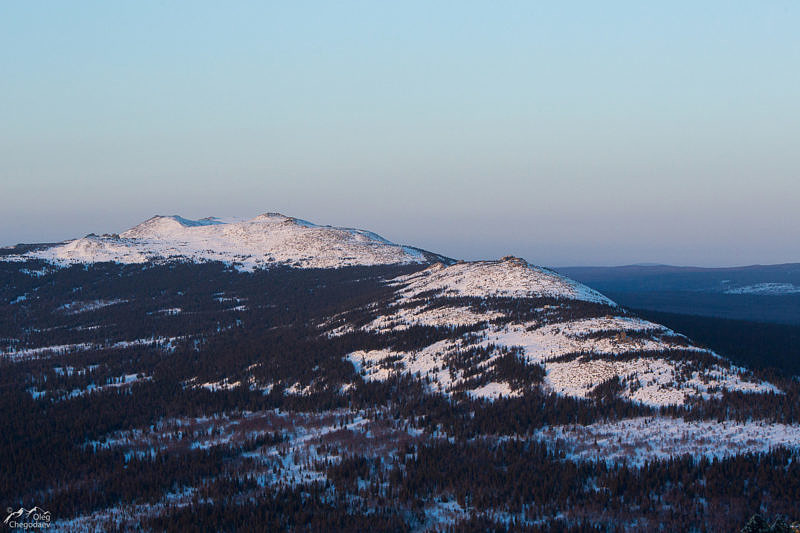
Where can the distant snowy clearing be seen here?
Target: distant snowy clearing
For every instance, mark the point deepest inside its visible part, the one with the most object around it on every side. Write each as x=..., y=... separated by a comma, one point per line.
x=644, y=439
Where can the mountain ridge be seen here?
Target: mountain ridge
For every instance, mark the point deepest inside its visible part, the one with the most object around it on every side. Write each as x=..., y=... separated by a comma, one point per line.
x=567, y=337
x=267, y=239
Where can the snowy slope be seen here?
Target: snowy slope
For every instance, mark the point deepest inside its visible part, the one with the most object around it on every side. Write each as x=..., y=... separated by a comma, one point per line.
x=266, y=240
x=508, y=277
x=580, y=339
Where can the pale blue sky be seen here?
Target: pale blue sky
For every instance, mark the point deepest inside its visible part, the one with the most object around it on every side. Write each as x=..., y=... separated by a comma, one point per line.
x=565, y=132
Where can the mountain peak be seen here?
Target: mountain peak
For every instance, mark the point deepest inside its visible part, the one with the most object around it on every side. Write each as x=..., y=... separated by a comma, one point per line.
x=268, y=239
x=512, y=260
x=508, y=277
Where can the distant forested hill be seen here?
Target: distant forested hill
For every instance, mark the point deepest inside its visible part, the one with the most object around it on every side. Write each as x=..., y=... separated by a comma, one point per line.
x=760, y=293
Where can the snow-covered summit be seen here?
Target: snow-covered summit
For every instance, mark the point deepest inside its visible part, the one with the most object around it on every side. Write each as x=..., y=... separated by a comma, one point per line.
x=167, y=226
x=265, y=240
x=509, y=277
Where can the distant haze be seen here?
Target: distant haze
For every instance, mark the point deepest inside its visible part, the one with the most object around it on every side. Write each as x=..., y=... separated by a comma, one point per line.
x=568, y=133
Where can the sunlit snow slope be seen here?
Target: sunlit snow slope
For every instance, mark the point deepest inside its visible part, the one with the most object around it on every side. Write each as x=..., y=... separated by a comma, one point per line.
x=526, y=326
x=268, y=239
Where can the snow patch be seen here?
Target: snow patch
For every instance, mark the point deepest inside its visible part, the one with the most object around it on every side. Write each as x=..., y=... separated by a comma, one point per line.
x=766, y=289
x=74, y=308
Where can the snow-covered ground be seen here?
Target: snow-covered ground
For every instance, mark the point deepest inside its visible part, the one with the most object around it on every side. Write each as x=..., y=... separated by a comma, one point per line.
x=637, y=440
x=767, y=289
x=262, y=241
x=165, y=343
x=171, y=311
x=508, y=277
x=595, y=342
x=543, y=342
x=74, y=308
x=404, y=318
x=125, y=517
x=308, y=438
x=113, y=383
x=313, y=440
x=655, y=382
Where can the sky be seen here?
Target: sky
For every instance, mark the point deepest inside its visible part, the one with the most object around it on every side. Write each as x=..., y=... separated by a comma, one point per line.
x=567, y=133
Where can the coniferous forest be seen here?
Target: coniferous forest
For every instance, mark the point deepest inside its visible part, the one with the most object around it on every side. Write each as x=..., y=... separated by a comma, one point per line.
x=165, y=396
